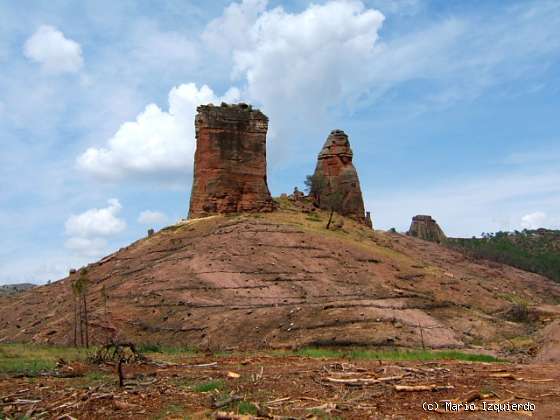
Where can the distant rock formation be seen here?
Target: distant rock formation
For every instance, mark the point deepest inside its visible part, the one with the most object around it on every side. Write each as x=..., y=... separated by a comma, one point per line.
x=11, y=289
x=368, y=221
x=334, y=164
x=424, y=227
x=230, y=161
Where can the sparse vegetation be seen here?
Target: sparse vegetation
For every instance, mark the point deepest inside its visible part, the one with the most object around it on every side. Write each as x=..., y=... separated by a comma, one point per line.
x=171, y=410
x=31, y=359
x=519, y=313
x=365, y=354
x=96, y=376
x=537, y=251
x=208, y=386
x=81, y=325
x=323, y=195
x=246, y=407
x=163, y=349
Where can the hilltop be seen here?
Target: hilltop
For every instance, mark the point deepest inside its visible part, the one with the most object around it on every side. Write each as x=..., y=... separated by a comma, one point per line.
x=280, y=279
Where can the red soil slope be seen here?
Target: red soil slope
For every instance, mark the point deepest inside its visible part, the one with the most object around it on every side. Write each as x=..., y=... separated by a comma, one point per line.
x=282, y=280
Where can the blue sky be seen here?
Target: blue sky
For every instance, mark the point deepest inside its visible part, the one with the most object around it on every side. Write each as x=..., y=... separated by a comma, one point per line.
x=452, y=109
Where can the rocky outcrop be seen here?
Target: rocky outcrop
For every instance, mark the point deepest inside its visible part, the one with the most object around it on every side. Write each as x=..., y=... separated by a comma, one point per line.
x=368, y=221
x=334, y=166
x=230, y=161
x=424, y=227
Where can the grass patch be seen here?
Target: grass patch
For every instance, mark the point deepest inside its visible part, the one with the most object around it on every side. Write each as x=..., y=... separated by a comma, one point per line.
x=97, y=376
x=313, y=217
x=245, y=407
x=397, y=355
x=173, y=350
x=170, y=410
x=323, y=415
x=216, y=384
x=30, y=359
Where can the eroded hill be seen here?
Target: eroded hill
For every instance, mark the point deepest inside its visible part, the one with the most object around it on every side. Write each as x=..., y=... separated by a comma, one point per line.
x=281, y=280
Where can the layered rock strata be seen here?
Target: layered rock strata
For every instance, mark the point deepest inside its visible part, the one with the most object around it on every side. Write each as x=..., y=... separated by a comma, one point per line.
x=230, y=161
x=338, y=175
x=425, y=227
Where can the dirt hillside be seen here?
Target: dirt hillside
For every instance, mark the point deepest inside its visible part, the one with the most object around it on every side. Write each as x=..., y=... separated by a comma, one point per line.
x=282, y=280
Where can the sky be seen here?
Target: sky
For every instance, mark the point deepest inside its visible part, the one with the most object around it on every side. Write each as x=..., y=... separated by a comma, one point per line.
x=451, y=107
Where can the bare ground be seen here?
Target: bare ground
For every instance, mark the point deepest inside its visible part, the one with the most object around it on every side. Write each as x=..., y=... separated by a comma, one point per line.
x=285, y=387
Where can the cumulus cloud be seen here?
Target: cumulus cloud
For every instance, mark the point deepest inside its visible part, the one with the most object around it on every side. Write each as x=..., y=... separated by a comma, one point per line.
x=53, y=51
x=149, y=217
x=232, y=28
x=308, y=61
x=97, y=222
x=534, y=220
x=329, y=56
x=87, y=247
x=88, y=231
x=157, y=142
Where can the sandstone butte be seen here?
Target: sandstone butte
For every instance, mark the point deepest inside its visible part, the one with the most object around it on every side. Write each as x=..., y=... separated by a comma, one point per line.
x=425, y=227
x=335, y=164
x=230, y=161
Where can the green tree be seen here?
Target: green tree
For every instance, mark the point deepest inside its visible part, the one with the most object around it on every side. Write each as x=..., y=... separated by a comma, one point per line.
x=324, y=197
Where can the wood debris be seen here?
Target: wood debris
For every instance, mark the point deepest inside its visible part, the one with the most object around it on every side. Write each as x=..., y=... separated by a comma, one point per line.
x=414, y=388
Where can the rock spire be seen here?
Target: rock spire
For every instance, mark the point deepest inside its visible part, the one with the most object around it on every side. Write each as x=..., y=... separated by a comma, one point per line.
x=230, y=161
x=424, y=227
x=336, y=171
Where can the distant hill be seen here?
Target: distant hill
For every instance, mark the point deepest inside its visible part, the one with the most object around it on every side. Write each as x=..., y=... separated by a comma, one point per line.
x=9, y=289
x=537, y=250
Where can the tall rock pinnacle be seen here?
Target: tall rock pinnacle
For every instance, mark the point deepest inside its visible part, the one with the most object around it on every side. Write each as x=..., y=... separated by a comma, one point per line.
x=334, y=164
x=424, y=227
x=230, y=161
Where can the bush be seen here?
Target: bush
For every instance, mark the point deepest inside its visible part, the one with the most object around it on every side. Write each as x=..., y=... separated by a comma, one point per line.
x=519, y=313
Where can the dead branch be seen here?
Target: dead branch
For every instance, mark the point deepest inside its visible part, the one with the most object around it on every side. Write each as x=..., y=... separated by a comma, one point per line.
x=364, y=381
x=414, y=388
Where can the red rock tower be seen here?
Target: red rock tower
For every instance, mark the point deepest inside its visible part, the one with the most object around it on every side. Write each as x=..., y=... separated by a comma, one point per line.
x=334, y=164
x=424, y=227
x=230, y=161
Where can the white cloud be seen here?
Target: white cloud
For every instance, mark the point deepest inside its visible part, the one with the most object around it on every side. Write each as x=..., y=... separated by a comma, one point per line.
x=87, y=247
x=53, y=51
x=162, y=50
x=96, y=222
x=157, y=142
x=534, y=220
x=232, y=28
x=311, y=61
x=398, y=7
x=149, y=217
x=329, y=55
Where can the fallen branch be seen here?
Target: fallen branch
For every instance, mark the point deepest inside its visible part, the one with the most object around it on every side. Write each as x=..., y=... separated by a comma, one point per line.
x=225, y=401
x=278, y=401
x=364, y=381
x=508, y=375
x=414, y=388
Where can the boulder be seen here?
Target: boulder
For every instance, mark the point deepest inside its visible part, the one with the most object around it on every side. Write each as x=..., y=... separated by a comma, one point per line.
x=230, y=161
